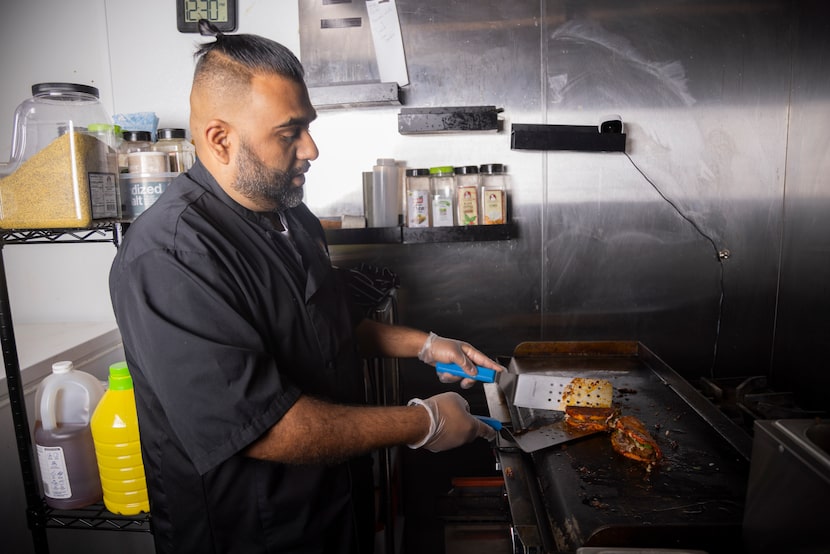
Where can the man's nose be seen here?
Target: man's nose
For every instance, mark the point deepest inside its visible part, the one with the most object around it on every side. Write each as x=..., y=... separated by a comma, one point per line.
x=308, y=148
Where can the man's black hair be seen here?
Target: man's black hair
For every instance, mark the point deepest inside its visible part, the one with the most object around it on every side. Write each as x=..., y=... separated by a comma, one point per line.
x=252, y=51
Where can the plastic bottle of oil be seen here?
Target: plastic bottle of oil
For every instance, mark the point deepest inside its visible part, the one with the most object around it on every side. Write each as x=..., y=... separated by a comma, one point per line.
x=65, y=401
x=118, y=446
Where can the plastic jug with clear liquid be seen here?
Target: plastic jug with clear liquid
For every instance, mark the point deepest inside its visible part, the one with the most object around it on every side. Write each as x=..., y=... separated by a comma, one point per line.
x=65, y=402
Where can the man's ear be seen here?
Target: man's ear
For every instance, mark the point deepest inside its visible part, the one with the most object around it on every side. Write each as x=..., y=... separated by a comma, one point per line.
x=217, y=137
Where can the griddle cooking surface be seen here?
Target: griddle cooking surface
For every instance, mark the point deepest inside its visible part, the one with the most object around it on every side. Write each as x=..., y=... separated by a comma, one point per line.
x=596, y=497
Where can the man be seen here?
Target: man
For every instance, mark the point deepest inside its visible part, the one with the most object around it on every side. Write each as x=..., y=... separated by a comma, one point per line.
x=243, y=351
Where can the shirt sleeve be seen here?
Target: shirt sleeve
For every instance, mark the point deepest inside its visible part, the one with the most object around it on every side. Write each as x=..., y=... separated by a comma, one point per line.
x=185, y=328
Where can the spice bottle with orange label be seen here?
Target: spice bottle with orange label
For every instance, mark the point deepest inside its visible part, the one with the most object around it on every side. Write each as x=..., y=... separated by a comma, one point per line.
x=418, y=209
x=493, y=194
x=467, y=186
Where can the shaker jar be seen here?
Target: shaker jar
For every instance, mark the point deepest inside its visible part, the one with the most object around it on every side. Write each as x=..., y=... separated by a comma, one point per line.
x=467, y=185
x=133, y=141
x=147, y=173
x=442, y=185
x=493, y=194
x=58, y=176
x=418, y=212
x=181, y=154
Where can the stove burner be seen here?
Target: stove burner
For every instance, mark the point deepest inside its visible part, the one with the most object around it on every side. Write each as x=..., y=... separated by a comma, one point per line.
x=745, y=399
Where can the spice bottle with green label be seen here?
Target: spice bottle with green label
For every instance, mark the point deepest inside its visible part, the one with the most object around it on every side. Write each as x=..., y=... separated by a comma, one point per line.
x=442, y=189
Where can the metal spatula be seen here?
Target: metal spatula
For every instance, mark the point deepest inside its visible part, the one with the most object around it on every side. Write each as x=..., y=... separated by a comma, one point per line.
x=542, y=437
x=543, y=392
x=546, y=392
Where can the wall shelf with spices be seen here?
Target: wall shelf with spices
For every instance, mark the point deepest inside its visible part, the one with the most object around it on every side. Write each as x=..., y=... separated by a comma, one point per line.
x=420, y=235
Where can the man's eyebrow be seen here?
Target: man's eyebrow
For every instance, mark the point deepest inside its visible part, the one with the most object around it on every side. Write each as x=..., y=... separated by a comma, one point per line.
x=296, y=121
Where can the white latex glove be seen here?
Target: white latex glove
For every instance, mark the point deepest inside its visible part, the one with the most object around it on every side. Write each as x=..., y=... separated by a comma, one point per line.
x=440, y=349
x=451, y=424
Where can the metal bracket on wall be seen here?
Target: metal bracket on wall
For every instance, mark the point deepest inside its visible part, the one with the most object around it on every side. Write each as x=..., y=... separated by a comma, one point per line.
x=581, y=138
x=354, y=95
x=413, y=121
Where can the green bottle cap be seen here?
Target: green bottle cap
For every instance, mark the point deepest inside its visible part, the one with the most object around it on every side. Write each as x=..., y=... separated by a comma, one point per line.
x=96, y=127
x=441, y=170
x=120, y=378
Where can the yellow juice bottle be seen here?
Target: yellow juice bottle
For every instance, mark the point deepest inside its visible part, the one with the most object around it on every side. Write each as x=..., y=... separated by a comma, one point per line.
x=118, y=447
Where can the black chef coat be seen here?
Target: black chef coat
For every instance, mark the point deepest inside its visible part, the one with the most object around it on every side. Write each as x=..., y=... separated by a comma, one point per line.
x=225, y=321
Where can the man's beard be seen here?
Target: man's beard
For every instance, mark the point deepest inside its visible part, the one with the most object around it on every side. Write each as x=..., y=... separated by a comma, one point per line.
x=257, y=182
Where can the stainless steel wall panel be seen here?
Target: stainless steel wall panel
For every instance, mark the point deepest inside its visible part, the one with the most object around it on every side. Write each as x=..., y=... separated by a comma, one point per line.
x=801, y=356
x=622, y=260
x=336, y=42
x=724, y=104
x=462, y=53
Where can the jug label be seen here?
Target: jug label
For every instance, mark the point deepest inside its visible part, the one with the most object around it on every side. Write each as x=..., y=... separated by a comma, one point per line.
x=494, y=207
x=103, y=195
x=53, y=472
x=442, y=212
x=418, y=209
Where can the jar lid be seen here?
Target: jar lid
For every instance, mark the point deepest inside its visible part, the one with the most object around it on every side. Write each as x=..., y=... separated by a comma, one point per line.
x=170, y=133
x=134, y=136
x=493, y=168
x=441, y=170
x=417, y=172
x=466, y=170
x=45, y=89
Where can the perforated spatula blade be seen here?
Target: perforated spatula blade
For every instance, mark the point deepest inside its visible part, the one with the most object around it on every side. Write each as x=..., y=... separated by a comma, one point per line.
x=545, y=392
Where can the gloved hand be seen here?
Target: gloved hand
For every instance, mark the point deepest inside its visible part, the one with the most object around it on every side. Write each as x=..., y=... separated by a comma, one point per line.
x=451, y=424
x=440, y=349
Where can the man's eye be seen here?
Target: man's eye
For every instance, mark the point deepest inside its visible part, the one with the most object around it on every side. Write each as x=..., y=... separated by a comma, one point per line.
x=291, y=137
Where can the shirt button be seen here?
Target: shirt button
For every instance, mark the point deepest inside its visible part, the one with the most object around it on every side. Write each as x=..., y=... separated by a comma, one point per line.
x=330, y=365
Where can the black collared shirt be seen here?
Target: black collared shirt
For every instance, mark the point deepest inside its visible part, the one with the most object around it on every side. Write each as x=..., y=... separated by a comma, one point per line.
x=225, y=322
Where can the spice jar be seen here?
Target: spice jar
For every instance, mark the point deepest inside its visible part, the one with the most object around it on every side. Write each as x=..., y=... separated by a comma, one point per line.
x=59, y=176
x=493, y=194
x=133, y=141
x=181, y=154
x=467, y=185
x=442, y=189
x=418, y=212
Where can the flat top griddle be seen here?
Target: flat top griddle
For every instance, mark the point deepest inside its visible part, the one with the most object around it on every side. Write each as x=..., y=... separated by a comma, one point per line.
x=591, y=496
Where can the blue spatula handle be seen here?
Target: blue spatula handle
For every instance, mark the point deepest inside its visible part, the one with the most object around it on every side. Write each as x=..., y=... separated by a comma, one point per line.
x=494, y=423
x=485, y=375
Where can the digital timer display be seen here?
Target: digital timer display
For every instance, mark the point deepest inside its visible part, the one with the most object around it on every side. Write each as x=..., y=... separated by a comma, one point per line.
x=222, y=13
x=215, y=11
